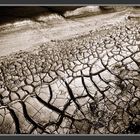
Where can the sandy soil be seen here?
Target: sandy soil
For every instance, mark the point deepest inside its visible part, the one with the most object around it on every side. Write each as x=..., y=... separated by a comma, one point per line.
x=23, y=35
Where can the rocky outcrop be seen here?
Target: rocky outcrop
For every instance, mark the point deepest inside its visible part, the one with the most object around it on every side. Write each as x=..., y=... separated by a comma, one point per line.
x=12, y=14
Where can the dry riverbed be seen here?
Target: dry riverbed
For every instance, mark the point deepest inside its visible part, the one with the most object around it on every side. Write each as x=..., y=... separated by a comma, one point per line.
x=26, y=34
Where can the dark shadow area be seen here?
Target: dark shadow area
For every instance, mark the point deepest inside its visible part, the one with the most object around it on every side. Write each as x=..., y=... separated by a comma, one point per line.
x=11, y=14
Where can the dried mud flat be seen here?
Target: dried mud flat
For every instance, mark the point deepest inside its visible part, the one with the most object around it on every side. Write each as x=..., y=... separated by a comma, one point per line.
x=74, y=76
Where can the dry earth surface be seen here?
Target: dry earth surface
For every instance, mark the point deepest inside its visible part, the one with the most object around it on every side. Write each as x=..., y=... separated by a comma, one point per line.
x=76, y=75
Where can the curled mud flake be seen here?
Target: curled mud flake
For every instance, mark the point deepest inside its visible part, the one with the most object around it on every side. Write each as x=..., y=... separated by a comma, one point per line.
x=28, y=88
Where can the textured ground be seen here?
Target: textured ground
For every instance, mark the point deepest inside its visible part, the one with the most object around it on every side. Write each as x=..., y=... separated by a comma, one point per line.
x=82, y=85
x=33, y=32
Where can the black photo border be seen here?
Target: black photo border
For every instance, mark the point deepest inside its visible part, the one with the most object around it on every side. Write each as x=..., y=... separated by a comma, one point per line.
x=66, y=2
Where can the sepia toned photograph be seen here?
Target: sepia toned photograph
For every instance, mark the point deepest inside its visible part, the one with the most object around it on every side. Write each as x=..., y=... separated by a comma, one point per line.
x=70, y=70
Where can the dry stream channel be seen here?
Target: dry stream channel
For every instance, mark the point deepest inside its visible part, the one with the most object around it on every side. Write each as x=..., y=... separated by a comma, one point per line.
x=71, y=76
